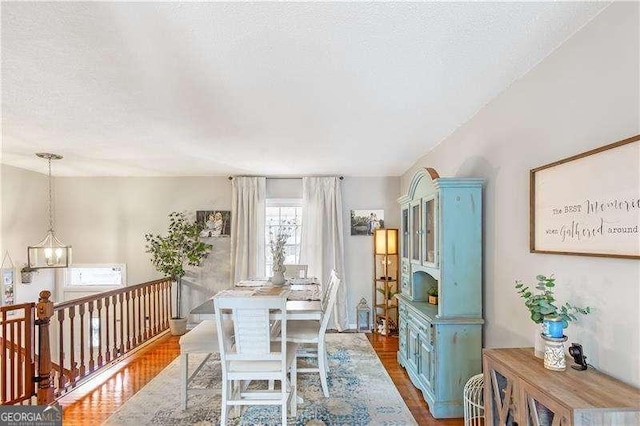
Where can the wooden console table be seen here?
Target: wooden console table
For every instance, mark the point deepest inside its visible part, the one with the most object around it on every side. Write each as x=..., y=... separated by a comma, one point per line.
x=518, y=390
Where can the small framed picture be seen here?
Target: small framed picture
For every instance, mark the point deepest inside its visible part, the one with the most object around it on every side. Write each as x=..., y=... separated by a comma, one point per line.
x=8, y=292
x=214, y=223
x=364, y=222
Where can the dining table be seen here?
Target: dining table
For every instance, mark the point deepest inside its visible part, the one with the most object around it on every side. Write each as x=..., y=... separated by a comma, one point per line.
x=303, y=298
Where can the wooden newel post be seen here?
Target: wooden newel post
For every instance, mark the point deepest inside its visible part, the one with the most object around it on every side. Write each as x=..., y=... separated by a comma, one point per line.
x=44, y=313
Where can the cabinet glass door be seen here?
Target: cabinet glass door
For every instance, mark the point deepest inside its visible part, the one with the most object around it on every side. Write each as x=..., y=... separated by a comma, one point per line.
x=540, y=410
x=405, y=233
x=539, y=414
x=415, y=232
x=429, y=236
x=503, y=399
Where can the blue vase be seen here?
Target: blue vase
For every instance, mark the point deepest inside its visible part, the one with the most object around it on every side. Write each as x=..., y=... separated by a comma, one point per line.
x=552, y=326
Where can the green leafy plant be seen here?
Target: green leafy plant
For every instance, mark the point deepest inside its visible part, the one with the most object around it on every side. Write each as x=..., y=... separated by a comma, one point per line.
x=433, y=291
x=181, y=247
x=390, y=292
x=542, y=302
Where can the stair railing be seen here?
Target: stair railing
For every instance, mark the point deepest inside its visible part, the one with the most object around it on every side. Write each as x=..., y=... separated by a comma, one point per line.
x=75, y=340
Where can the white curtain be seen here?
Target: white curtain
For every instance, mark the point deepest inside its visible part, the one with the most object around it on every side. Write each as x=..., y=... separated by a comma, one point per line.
x=322, y=237
x=247, y=227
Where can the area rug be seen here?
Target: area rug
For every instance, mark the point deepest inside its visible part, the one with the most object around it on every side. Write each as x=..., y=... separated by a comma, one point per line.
x=361, y=393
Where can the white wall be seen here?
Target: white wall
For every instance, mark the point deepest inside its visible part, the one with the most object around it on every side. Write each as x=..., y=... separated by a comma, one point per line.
x=584, y=95
x=284, y=188
x=25, y=221
x=105, y=220
x=362, y=193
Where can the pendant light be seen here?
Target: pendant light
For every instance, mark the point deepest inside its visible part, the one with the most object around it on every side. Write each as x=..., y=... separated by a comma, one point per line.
x=50, y=252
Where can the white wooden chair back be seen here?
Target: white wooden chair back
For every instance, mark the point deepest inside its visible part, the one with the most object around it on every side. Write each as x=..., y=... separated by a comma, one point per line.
x=296, y=271
x=326, y=290
x=251, y=328
x=327, y=308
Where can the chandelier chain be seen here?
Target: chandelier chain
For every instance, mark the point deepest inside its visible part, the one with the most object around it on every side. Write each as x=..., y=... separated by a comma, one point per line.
x=50, y=199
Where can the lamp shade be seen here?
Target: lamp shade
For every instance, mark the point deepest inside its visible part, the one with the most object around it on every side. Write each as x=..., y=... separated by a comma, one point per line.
x=386, y=241
x=49, y=253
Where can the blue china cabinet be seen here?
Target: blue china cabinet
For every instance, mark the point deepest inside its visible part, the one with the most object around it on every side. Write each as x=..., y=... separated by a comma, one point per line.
x=441, y=248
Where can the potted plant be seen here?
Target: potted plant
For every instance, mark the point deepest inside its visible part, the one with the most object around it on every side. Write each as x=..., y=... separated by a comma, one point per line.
x=26, y=274
x=543, y=309
x=170, y=255
x=390, y=293
x=433, y=295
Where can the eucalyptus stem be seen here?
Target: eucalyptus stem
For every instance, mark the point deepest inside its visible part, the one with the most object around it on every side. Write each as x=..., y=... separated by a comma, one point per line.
x=542, y=303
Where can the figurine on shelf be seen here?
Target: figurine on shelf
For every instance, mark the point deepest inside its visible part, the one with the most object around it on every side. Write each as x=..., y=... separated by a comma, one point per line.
x=384, y=329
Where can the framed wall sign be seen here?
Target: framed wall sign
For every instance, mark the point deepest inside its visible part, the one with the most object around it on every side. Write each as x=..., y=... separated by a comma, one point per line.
x=588, y=204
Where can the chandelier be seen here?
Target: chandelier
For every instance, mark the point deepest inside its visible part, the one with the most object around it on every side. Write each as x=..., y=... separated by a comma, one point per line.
x=50, y=252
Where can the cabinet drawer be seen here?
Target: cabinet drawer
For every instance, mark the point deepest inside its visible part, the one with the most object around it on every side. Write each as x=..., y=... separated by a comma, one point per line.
x=402, y=333
x=406, y=285
x=427, y=334
x=405, y=266
x=424, y=329
x=402, y=310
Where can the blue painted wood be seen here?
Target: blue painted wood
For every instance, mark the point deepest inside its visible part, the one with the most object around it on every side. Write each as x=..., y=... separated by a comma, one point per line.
x=461, y=246
x=441, y=345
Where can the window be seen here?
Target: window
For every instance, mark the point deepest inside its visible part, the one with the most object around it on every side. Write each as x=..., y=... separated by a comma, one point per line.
x=95, y=276
x=280, y=212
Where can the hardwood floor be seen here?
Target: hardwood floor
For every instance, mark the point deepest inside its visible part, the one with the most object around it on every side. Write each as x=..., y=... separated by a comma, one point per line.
x=387, y=348
x=96, y=400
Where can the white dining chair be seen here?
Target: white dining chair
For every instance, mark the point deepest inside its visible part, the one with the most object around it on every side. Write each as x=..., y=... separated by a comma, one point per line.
x=254, y=356
x=202, y=339
x=326, y=289
x=295, y=271
x=311, y=334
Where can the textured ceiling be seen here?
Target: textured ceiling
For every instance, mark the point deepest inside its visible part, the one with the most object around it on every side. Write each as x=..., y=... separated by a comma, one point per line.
x=148, y=89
